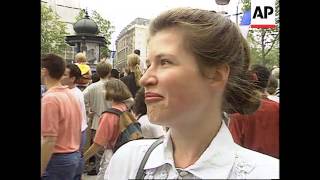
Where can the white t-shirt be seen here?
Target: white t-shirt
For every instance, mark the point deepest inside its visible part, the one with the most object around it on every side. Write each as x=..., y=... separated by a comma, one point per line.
x=78, y=93
x=94, y=97
x=150, y=130
x=223, y=159
x=273, y=98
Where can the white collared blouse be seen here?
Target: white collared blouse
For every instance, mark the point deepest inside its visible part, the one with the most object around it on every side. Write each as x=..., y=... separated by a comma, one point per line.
x=223, y=159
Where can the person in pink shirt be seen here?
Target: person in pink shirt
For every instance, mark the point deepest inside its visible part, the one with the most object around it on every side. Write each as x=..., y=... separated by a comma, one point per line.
x=108, y=130
x=60, y=123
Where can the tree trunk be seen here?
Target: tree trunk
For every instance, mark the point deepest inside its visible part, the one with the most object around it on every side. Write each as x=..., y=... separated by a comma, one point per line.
x=263, y=55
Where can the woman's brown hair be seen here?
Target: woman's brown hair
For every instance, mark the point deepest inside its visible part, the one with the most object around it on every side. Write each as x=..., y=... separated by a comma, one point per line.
x=215, y=40
x=117, y=91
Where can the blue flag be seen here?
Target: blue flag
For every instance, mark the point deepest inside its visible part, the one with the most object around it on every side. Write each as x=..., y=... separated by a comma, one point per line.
x=246, y=18
x=112, y=54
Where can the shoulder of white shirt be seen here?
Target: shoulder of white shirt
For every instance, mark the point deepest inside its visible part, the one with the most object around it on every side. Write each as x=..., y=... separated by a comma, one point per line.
x=273, y=98
x=257, y=164
x=262, y=165
x=132, y=153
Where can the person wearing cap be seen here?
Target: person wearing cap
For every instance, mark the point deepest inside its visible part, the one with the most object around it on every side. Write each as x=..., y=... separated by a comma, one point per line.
x=81, y=62
x=69, y=78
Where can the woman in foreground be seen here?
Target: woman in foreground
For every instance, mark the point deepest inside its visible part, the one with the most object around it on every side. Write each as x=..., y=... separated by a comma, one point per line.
x=199, y=69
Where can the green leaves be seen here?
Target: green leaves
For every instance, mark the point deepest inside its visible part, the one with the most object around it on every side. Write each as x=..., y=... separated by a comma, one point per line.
x=53, y=32
x=246, y=5
x=264, y=45
x=106, y=29
x=81, y=15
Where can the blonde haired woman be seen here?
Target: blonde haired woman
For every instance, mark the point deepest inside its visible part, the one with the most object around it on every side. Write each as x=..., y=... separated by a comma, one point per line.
x=132, y=79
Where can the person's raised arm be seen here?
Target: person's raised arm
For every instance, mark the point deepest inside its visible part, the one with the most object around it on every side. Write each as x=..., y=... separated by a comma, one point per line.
x=94, y=148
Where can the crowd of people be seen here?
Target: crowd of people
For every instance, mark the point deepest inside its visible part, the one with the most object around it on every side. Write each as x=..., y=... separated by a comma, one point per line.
x=200, y=110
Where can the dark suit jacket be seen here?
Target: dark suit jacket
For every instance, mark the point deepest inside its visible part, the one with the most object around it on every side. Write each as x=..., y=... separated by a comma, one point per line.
x=130, y=81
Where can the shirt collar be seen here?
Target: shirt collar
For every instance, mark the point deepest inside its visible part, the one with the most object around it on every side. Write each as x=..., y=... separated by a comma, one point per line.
x=215, y=162
x=57, y=88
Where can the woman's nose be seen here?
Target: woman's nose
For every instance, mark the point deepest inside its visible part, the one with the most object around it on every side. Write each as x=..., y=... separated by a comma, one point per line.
x=149, y=77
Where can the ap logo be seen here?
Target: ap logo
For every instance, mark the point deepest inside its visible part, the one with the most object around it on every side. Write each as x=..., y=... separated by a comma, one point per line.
x=263, y=14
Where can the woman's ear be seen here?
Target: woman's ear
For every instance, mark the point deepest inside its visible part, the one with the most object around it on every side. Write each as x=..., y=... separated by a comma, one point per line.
x=219, y=76
x=44, y=72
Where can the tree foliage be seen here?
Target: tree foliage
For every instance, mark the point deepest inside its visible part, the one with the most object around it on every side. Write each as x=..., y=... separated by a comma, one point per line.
x=105, y=30
x=53, y=32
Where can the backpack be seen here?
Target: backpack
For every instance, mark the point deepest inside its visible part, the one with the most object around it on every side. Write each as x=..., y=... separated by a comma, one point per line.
x=84, y=79
x=129, y=128
x=85, y=74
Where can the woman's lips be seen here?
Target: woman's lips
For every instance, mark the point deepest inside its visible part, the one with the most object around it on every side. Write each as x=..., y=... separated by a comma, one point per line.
x=151, y=97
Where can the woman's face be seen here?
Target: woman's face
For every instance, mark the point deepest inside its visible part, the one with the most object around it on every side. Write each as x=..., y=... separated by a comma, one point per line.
x=175, y=90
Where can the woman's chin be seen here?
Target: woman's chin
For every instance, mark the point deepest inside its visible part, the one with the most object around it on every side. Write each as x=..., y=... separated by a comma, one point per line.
x=154, y=119
x=158, y=114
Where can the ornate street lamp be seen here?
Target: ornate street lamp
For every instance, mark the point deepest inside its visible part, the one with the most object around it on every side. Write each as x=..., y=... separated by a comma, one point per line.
x=226, y=2
x=222, y=2
x=87, y=39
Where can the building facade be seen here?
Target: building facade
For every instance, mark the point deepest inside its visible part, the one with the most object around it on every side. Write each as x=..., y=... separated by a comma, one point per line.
x=67, y=10
x=134, y=36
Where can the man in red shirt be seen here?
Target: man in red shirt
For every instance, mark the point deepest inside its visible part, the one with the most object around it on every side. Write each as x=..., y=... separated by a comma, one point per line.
x=60, y=123
x=258, y=131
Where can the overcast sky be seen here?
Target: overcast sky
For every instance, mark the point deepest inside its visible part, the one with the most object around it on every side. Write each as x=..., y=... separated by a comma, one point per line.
x=121, y=12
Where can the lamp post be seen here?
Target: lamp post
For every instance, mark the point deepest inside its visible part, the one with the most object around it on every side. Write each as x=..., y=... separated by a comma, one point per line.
x=237, y=12
x=222, y=3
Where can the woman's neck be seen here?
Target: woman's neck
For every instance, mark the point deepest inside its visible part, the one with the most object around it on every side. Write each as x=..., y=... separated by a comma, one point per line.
x=190, y=142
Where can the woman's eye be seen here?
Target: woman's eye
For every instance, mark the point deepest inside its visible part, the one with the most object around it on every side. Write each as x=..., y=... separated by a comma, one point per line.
x=164, y=62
